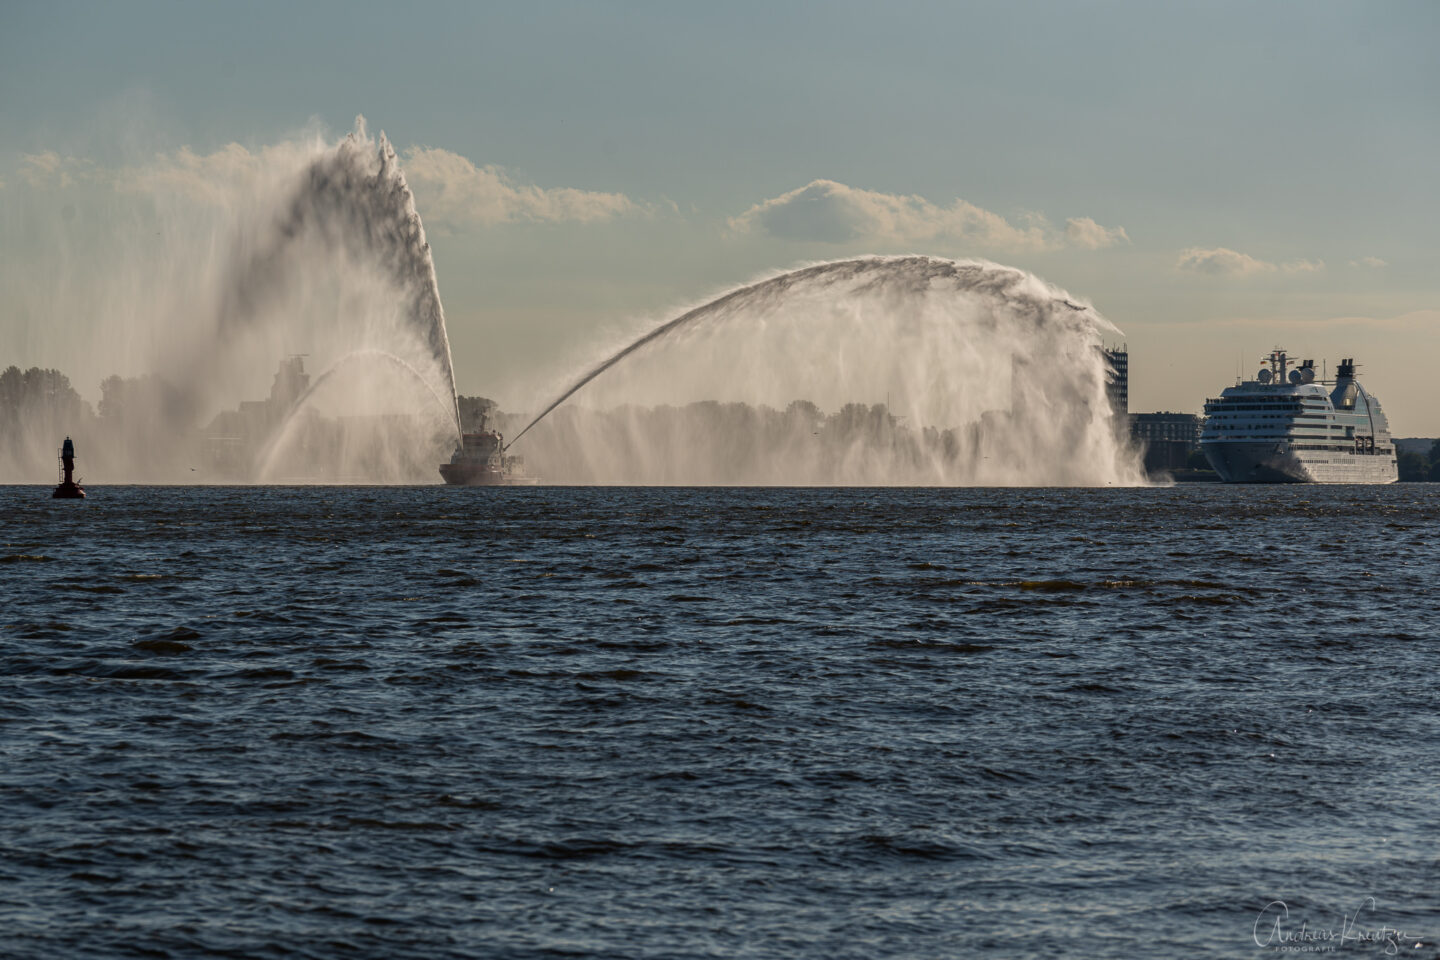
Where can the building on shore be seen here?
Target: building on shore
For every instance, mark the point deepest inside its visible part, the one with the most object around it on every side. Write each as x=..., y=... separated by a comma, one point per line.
x=234, y=437
x=1165, y=439
x=1168, y=439
x=1117, y=388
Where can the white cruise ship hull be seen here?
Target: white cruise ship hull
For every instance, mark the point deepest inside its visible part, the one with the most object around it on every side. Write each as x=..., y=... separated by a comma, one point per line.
x=1271, y=462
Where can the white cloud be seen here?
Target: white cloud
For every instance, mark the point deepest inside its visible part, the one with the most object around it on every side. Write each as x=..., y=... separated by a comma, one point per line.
x=42, y=170
x=1086, y=233
x=1426, y=321
x=828, y=212
x=1224, y=262
x=1373, y=262
x=451, y=189
x=37, y=168
x=207, y=178
x=1221, y=261
x=210, y=177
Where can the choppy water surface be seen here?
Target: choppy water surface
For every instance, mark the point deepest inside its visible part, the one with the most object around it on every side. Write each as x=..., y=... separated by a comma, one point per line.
x=429, y=722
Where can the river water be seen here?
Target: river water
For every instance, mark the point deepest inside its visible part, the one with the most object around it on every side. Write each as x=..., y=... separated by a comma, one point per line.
x=615, y=722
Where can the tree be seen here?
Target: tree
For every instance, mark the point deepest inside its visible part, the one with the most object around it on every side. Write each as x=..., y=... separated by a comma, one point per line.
x=145, y=400
x=147, y=428
x=1413, y=467
x=38, y=409
x=478, y=413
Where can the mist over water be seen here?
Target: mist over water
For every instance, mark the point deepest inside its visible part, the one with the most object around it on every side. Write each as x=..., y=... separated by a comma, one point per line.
x=231, y=264
x=312, y=257
x=880, y=370
x=353, y=201
x=385, y=448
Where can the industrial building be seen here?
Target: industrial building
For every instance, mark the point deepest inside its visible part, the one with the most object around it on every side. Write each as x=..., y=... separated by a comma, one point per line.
x=1168, y=439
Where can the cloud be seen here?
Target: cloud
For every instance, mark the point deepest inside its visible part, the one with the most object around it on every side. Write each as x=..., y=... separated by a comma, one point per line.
x=1221, y=262
x=209, y=178
x=49, y=169
x=454, y=190
x=824, y=211
x=1372, y=262
x=1224, y=262
x=36, y=169
x=1084, y=232
x=449, y=187
x=1423, y=321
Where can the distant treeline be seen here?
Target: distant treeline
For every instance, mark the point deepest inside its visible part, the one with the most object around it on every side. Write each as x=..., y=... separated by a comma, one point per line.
x=710, y=442
x=1417, y=467
x=143, y=420
x=145, y=430
x=714, y=442
x=477, y=413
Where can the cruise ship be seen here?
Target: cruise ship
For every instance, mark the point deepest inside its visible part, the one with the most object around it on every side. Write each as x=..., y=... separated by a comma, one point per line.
x=1287, y=426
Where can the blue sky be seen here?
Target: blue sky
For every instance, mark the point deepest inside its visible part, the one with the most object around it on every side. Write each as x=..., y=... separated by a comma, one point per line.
x=1270, y=165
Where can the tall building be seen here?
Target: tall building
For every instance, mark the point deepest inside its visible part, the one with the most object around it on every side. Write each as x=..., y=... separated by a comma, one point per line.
x=234, y=437
x=291, y=381
x=1118, y=387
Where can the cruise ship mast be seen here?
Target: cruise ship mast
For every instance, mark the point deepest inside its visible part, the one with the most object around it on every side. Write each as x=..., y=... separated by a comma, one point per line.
x=1279, y=372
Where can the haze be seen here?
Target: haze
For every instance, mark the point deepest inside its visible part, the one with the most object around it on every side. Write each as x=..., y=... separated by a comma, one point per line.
x=1216, y=179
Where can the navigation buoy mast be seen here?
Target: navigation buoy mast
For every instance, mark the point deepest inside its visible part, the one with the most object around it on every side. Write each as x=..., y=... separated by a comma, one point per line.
x=69, y=489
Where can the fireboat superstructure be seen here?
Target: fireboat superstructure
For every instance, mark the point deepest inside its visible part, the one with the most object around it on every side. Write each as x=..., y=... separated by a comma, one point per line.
x=69, y=488
x=1286, y=427
x=480, y=460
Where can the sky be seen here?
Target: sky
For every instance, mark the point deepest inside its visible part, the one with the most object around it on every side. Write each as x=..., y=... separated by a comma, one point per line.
x=1216, y=178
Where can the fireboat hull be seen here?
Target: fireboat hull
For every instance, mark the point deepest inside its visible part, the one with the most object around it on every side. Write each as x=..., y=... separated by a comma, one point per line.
x=480, y=461
x=472, y=475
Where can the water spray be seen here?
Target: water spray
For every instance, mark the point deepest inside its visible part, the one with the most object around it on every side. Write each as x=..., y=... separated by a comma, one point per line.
x=280, y=435
x=999, y=377
x=358, y=201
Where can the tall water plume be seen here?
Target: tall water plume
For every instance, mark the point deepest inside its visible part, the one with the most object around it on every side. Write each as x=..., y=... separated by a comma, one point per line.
x=193, y=277
x=353, y=200
x=881, y=370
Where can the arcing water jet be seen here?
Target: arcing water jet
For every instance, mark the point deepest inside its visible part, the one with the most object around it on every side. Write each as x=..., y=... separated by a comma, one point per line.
x=266, y=459
x=349, y=203
x=995, y=375
x=187, y=277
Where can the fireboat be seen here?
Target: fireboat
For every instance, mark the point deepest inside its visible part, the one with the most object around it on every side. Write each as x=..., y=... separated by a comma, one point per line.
x=480, y=461
x=69, y=488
